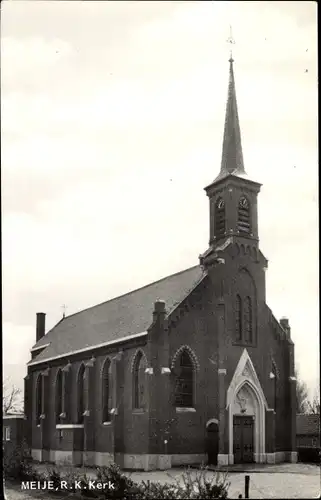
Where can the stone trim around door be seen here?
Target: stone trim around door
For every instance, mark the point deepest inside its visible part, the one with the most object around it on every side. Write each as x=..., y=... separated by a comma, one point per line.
x=245, y=396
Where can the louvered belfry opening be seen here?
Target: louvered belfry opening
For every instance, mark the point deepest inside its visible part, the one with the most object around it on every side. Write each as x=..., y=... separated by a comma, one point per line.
x=244, y=216
x=238, y=317
x=220, y=218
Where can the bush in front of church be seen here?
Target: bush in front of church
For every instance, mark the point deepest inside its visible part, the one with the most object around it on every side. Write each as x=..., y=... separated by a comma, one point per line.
x=194, y=484
x=17, y=465
x=201, y=483
x=124, y=486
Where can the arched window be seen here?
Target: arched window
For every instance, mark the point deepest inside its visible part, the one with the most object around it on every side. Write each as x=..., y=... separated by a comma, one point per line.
x=238, y=318
x=139, y=382
x=80, y=394
x=219, y=218
x=248, y=320
x=184, y=384
x=39, y=396
x=244, y=219
x=59, y=389
x=106, y=391
x=275, y=387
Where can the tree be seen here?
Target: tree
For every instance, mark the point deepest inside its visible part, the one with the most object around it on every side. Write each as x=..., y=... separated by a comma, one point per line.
x=314, y=404
x=302, y=394
x=11, y=398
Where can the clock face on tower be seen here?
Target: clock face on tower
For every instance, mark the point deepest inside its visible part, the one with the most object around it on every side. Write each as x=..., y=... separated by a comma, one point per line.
x=244, y=203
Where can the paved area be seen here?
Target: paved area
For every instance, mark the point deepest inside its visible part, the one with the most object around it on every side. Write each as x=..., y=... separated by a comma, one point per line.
x=290, y=481
x=262, y=485
x=287, y=468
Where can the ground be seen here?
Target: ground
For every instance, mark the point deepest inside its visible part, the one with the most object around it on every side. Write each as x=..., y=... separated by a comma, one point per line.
x=282, y=481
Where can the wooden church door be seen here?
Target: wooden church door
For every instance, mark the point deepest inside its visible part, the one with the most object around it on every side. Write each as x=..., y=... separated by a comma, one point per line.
x=212, y=443
x=243, y=439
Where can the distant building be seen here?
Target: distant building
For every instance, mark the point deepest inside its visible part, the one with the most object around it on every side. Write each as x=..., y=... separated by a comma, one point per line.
x=191, y=368
x=308, y=436
x=13, y=428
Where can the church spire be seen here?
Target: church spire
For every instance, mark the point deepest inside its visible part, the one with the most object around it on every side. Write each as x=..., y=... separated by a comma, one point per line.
x=232, y=195
x=232, y=155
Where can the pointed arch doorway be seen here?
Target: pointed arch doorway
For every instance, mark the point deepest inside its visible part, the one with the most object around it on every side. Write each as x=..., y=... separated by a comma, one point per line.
x=245, y=409
x=212, y=441
x=247, y=405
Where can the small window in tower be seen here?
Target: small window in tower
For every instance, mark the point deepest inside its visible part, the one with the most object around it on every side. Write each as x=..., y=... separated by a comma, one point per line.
x=220, y=218
x=238, y=318
x=248, y=320
x=243, y=220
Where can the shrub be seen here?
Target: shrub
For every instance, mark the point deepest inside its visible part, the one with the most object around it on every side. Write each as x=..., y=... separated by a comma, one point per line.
x=193, y=484
x=155, y=491
x=202, y=484
x=58, y=474
x=54, y=475
x=17, y=464
x=125, y=488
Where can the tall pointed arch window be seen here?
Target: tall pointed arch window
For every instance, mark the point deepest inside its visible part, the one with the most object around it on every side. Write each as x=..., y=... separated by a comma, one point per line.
x=244, y=218
x=106, y=391
x=184, y=383
x=219, y=218
x=39, y=398
x=139, y=382
x=275, y=387
x=80, y=394
x=248, y=320
x=238, y=319
x=59, y=395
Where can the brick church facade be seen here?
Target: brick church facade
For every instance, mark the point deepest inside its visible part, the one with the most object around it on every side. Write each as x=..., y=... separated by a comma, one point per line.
x=192, y=368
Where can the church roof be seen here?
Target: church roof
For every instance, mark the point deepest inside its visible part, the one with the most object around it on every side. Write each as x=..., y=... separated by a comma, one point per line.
x=117, y=318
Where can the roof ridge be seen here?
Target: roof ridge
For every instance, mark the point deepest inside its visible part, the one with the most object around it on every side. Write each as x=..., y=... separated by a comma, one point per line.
x=132, y=291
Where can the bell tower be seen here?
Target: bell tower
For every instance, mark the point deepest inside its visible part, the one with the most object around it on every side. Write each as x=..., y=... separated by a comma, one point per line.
x=232, y=195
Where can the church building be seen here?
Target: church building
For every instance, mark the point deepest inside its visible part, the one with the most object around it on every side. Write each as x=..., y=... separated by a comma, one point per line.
x=193, y=368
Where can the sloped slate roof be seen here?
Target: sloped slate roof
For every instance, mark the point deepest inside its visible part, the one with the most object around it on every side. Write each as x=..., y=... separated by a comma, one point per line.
x=307, y=424
x=122, y=316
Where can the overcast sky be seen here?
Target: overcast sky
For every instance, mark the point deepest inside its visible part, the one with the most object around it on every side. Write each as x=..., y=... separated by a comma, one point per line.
x=112, y=124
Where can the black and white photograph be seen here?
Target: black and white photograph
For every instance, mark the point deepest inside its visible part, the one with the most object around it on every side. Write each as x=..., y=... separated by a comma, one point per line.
x=160, y=249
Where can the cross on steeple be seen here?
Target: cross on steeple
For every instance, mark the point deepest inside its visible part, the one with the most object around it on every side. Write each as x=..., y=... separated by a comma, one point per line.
x=64, y=307
x=232, y=194
x=232, y=154
x=231, y=41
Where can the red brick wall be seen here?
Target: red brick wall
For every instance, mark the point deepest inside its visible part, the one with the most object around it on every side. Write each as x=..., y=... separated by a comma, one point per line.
x=193, y=323
x=196, y=328
x=16, y=426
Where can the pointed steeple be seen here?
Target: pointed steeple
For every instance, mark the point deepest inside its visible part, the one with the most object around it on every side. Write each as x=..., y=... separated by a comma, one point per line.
x=232, y=195
x=232, y=155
